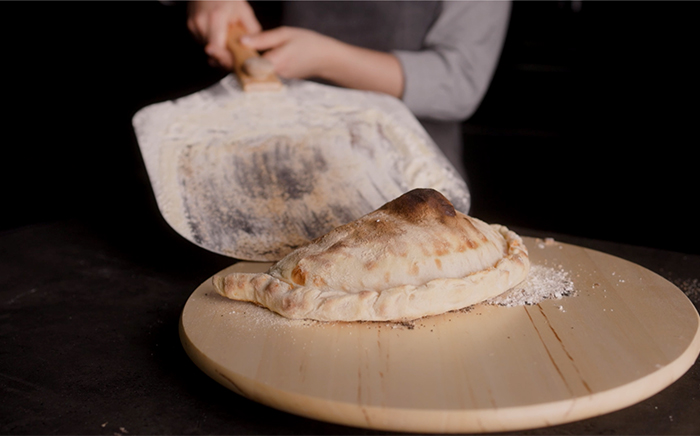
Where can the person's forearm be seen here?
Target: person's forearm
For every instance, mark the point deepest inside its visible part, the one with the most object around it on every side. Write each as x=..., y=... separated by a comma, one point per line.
x=360, y=68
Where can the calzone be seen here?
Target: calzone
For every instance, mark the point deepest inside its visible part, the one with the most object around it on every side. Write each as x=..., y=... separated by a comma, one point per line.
x=413, y=257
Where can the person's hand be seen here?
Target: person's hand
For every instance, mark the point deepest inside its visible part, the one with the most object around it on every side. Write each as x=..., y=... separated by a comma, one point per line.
x=209, y=22
x=295, y=53
x=301, y=54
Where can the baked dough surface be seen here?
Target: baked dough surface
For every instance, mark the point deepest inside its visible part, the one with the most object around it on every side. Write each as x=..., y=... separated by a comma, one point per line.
x=413, y=257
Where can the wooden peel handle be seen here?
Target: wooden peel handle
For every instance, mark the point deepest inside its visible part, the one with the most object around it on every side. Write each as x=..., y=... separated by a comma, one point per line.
x=239, y=51
x=267, y=81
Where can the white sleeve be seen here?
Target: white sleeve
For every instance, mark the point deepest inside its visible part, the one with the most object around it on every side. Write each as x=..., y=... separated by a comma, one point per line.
x=447, y=79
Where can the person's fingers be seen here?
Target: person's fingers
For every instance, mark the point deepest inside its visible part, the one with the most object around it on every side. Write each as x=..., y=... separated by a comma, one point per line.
x=268, y=39
x=222, y=55
x=283, y=62
x=209, y=21
x=218, y=29
x=275, y=56
x=191, y=22
x=193, y=29
x=198, y=25
x=216, y=47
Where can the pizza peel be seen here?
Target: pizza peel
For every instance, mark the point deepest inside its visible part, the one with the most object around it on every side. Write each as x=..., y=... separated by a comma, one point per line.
x=626, y=335
x=253, y=167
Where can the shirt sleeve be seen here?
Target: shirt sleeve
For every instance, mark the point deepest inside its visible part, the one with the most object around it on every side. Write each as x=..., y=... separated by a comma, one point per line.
x=447, y=79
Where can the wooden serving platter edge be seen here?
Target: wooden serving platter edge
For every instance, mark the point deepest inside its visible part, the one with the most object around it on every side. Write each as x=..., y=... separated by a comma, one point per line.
x=627, y=334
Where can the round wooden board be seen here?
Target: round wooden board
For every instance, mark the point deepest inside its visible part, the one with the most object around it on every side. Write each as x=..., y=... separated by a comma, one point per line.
x=626, y=335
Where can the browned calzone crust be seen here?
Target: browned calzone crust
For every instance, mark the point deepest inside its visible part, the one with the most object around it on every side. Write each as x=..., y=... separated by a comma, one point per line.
x=413, y=257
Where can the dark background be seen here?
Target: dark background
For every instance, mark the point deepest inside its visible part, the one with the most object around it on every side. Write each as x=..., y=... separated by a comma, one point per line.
x=589, y=127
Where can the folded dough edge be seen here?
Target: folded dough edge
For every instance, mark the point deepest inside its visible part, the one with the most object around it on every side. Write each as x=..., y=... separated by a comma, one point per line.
x=399, y=303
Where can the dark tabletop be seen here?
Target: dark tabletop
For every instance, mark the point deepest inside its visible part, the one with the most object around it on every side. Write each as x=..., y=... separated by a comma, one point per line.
x=89, y=338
